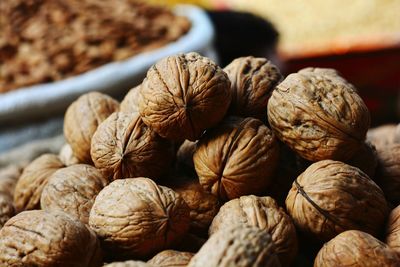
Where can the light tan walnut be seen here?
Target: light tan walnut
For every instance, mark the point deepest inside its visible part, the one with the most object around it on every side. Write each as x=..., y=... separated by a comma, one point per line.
x=66, y=156
x=130, y=103
x=382, y=136
x=6, y=208
x=128, y=264
x=8, y=178
x=171, y=258
x=393, y=229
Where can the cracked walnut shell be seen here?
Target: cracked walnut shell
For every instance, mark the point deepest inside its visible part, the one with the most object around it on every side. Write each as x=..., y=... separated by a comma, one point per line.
x=319, y=115
x=73, y=190
x=263, y=213
x=123, y=146
x=356, y=249
x=236, y=158
x=183, y=95
x=135, y=217
x=171, y=258
x=330, y=197
x=41, y=238
x=82, y=119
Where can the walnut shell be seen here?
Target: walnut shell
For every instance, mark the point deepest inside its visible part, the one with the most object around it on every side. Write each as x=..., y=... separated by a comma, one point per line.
x=366, y=159
x=6, y=208
x=82, y=119
x=123, y=146
x=135, y=217
x=67, y=157
x=28, y=189
x=171, y=258
x=130, y=103
x=263, y=213
x=237, y=246
x=41, y=238
x=393, y=229
x=319, y=115
x=330, y=197
x=73, y=190
x=184, y=156
x=128, y=264
x=356, y=249
x=237, y=158
x=382, y=136
x=8, y=178
x=252, y=81
x=184, y=95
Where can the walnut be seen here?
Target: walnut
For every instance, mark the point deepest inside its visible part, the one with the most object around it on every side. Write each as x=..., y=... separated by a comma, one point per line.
x=66, y=156
x=6, y=208
x=184, y=95
x=171, y=258
x=73, y=190
x=184, y=156
x=393, y=229
x=130, y=103
x=356, y=249
x=82, y=119
x=123, y=146
x=252, y=81
x=34, y=177
x=135, y=217
x=319, y=115
x=366, y=159
x=236, y=158
x=8, y=178
x=382, y=136
x=263, y=213
x=41, y=238
x=237, y=246
x=128, y=264
x=330, y=197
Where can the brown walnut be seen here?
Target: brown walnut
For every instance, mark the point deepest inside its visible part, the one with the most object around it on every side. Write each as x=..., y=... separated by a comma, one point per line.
x=130, y=103
x=330, y=197
x=263, y=213
x=82, y=118
x=66, y=156
x=319, y=115
x=6, y=208
x=41, y=238
x=237, y=246
x=135, y=217
x=128, y=264
x=123, y=146
x=393, y=229
x=34, y=177
x=171, y=258
x=184, y=95
x=356, y=249
x=73, y=190
x=236, y=158
x=252, y=81
x=382, y=136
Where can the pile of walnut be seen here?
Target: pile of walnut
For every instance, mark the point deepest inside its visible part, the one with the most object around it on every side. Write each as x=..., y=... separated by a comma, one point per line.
x=203, y=166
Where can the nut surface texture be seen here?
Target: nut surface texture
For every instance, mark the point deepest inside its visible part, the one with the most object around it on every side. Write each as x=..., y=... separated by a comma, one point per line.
x=130, y=103
x=171, y=258
x=236, y=158
x=135, y=217
x=81, y=120
x=8, y=178
x=356, y=249
x=382, y=136
x=319, y=115
x=128, y=264
x=183, y=95
x=41, y=238
x=393, y=229
x=240, y=246
x=73, y=190
x=32, y=180
x=263, y=213
x=123, y=146
x=6, y=208
x=330, y=197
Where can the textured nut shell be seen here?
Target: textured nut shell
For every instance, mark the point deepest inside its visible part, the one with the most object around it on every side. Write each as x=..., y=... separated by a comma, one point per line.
x=8, y=179
x=263, y=213
x=135, y=217
x=237, y=158
x=382, y=136
x=32, y=180
x=73, y=190
x=128, y=264
x=366, y=159
x=252, y=81
x=183, y=95
x=6, y=208
x=393, y=229
x=82, y=119
x=350, y=199
x=171, y=258
x=41, y=238
x=130, y=103
x=123, y=146
x=203, y=205
x=319, y=115
x=237, y=246
x=356, y=249
x=66, y=156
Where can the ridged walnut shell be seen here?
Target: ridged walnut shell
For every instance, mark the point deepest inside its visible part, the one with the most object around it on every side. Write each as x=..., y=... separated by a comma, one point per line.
x=67, y=156
x=330, y=197
x=35, y=176
x=82, y=119
x=252, y=81
x=366, y=159
x=240, y=246
x=263, y=213
x=73, y=190
x=135, y=217
x=171, y=258
x=184, y=95
x=319, y=115
x=236, y=158
x=6, y=208
x=393, y=229
x=356, y=249
x=130, y=103
x=123, y=146
x=128, y=264
x=41, y=238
